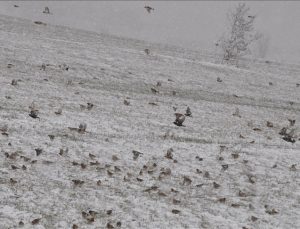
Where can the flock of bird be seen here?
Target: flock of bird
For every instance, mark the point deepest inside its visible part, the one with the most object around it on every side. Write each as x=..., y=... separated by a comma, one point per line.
x=47, y=10
x=287, y=133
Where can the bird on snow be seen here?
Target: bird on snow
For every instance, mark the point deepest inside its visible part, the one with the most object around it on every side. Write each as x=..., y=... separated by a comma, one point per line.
x=149, y=8
x=46, y=10
x=179, y=119
x=33, y=114
x=292, y=122
x=188, y=112
x=147, y=51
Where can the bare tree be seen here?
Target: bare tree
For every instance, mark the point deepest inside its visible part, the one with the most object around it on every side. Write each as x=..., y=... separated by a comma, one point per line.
x=241, y=34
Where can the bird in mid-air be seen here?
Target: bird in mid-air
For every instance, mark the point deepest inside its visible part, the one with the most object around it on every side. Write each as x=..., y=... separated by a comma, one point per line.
x=149, y=8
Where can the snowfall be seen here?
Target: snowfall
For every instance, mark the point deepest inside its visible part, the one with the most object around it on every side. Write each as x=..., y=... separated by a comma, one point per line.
x=226, y=167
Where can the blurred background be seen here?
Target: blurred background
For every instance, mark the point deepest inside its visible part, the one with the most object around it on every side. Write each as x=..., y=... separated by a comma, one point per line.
x=192, y=24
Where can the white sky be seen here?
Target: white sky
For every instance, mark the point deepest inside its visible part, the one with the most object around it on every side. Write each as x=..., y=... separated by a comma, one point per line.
x=192, y=24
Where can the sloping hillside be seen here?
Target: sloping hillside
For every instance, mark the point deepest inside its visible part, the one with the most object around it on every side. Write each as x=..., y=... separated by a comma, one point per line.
x=224, y=170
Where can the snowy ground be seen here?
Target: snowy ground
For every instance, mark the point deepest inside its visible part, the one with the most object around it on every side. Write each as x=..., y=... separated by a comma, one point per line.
x=216, y=179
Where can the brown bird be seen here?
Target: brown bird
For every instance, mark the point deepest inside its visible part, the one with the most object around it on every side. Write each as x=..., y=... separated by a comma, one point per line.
x=179, y=119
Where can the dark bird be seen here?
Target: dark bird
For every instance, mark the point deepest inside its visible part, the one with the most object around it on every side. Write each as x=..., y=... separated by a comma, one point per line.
x=109, y=226
x=153, y=104
x=38, y=151
x=179, y=119
x=237, y=113
x=289, y=138
x=188, y=112
x=175, y=211
x=186, y=180
x=169, y=154
x=16, y=6
x=136, y=154
x=82, y=128
x=154, y=91
x=269, y=124
x=225, y=167
x=14, y=82
x=10, y=65
x=35, y=221
x=46, y=10
x=33, y=114
x=39, y=23
x=283, y=131
x=77, y=182
x=90, y=217
x=292, y=122
x=90, y=106
x=216, y=185
x=58, y=112
x=147, y=51
x=43, y=67
x=149, y=8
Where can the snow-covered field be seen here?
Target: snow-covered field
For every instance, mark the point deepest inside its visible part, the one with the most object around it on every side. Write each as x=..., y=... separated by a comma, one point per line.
x=225, y=170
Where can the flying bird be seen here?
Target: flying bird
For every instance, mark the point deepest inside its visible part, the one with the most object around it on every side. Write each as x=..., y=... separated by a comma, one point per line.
x=149, y=8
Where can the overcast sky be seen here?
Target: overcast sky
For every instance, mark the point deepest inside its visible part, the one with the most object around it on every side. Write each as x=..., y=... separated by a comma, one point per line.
x=192, y=24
